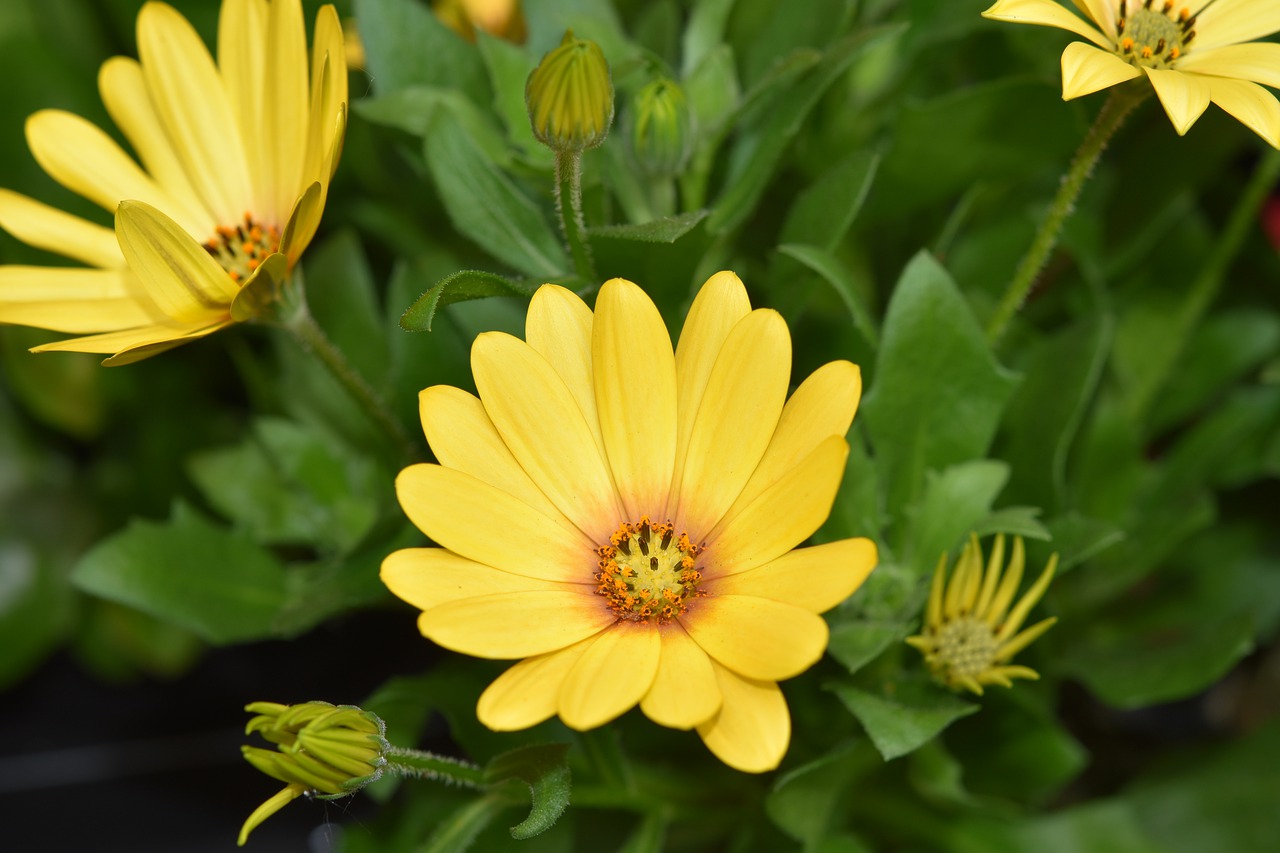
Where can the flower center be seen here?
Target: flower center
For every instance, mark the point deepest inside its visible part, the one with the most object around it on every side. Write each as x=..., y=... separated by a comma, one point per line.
x=243, y=248
x=967, y=646
x=1153, y=38
x=647, y=573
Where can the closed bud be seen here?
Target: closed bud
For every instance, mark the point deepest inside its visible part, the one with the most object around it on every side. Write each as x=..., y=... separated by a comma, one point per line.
x=570, y=96
x=662, y=128
x=321, y=750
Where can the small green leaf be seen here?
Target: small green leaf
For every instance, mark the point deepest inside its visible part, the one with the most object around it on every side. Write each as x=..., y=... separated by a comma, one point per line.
x=416, y=108
x=859, y=641
x=833, y=271
x=207, y=579
x=543, y=768
x=487, y=207
x=459, y=287
x=903, y=723
x=954, y=501
x=668, y=229
x=1021, y=521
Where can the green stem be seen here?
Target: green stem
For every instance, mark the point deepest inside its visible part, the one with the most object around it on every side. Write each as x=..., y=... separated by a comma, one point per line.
x=416, y=764
x=1214, y=272
x=1117, y=108
x=307, y=332
x=569, y=189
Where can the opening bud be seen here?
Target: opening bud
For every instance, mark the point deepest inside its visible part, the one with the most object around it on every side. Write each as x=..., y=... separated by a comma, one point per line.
x=662, y=128
x=570, y=96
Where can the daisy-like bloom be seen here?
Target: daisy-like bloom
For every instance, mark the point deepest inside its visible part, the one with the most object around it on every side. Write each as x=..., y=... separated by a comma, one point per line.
x=970, y=634
x=1192, y=51
x=623, y=518
x=236, y=158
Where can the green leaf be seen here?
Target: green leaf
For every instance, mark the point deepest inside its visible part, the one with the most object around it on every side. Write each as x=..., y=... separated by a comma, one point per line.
x=1077, y=538
x=833, y=271
x=543, y=768
x=509, y=66
x=405, y=45
x=1021, y=521
x=650, y=836
x=457, y=832
x=938, y=391
x=906, y=721
x=209, y=580
x=668, y=229
x=416, y=108
x=485, y=206
x=1105, y=826
x=460, y=287
x=859, y=641
x=823, y=213
x=954, y=501
x=809, y=803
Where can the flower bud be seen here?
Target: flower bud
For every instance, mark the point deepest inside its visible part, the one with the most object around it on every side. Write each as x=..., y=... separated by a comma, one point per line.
x=662, y=128
x=570, y=96
x=321, y=750
x=501, y=18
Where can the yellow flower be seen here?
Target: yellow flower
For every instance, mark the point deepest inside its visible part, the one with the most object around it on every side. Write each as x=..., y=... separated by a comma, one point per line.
x=501, y=18
x=1192, y=51
x=970, y=634
x=622, y=517
x=236, y=161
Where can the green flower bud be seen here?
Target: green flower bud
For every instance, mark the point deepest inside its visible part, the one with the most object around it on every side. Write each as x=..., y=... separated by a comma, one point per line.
x=321, y=750
x=662, y=128
x=570, y=96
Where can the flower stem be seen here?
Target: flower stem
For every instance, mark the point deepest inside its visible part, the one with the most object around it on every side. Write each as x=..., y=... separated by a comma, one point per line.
x=307, y=332
x=569, y=188
x=415, y=764
x=1117, y=108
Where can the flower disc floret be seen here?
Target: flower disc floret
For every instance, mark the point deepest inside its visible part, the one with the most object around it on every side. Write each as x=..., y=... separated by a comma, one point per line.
x=647, y=572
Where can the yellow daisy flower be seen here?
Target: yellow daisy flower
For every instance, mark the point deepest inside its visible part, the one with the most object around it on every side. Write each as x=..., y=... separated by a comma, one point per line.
x=623, y=517
x=970, y=634
x=1192, y=51
x=236, y=158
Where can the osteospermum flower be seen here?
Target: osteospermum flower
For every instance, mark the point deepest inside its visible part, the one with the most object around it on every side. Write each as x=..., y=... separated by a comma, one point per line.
x=970, y=634
x=236, y=159
x=1192, y=51
x=623, y=517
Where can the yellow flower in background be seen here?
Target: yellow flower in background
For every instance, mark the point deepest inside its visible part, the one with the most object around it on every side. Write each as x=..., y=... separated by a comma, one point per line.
x=236, y=159
x=501, y=18
x=970, y=634
x=622, y=517
x=1192, y=51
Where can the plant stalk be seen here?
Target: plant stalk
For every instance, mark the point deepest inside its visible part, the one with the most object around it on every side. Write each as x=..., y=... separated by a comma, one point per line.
x=569, y=206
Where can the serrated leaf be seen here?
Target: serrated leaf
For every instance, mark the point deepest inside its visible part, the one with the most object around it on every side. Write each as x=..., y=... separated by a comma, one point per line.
x=209, y=580
x=459, y=287
x=543, y=768
x=668, y=229
x=904, y=723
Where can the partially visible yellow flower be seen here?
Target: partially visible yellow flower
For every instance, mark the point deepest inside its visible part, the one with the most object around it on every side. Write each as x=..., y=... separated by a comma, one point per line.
x=1192, y=51
x=322, y=750
x=570, y=96
x=970, y=634
x=501, y=18
x=623, y=517
x=236, y=159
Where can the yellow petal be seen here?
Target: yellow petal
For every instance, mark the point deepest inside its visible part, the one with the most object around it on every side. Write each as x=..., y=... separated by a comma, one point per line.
x=736, y=418
x=937, y=590
x=124, y=93
x=462, y=437
x=329, y=45
x=753, y=728
x=545, y=430
x=1184, y=96
x=962, y=592
x=720, y=304
x=1259, y=62
x=1225, y=23
x=133, y=345
x=816, y=579
x=1024, y=639
x=781, y=518
x=1008, y=586
x=492, y=526
x=558, y=326
x=1101, y=12
x=429, y=577
x=185, y=282
x=1086, y=69
x=1028, y=600
x=757, y=637
x=685, y=692
x=242, y=29
x=528, y=693
x=192, y=104
x=1251, y=105
x=612, y=675
x=822, y=406
x=44, y=227
x=73, y=300
x=635, y=385
x=81, y=157
x=516, y=624
x=303, y=222
x=328, y=93
x=1045, y=13
x=286, y=103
